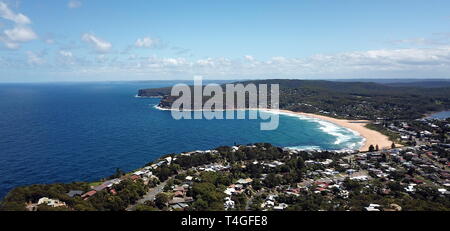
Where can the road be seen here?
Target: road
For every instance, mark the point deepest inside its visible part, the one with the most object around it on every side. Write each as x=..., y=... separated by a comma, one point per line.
x=149, y=196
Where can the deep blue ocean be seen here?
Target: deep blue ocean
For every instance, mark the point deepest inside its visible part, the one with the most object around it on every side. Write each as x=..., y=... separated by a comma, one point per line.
x=64, y=132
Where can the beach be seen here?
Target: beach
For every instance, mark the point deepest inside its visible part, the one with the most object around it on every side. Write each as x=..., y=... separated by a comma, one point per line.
x=371, y=137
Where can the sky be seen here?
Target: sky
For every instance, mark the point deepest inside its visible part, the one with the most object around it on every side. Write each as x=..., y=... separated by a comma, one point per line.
x=98, y=40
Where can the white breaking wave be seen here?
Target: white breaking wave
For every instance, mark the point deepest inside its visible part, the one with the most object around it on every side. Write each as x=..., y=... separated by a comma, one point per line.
x=343, y=135
x=157, y=107
x=305, y=148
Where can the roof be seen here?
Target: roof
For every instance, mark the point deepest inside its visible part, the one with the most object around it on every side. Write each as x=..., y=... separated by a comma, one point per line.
x=135, y=177
x=73, y=193
x=178, y=193
x=89, y=194
x=100, y=187
x=177, y=200
x=245, y=181
x=179, y=188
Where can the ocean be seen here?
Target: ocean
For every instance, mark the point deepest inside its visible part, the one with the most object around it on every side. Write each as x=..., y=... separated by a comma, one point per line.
x=439, y=115
x=65, y=132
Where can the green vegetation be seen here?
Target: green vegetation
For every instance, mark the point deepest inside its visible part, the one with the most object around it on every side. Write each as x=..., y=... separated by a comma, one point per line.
x=351, y=100
x=127, y=192
x=394, y=137
x=272, y=172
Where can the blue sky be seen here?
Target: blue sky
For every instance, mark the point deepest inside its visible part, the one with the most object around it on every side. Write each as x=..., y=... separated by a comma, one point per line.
x=91, y=40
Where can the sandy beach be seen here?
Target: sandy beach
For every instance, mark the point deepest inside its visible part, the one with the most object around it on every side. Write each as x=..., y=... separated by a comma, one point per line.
x=371, y=137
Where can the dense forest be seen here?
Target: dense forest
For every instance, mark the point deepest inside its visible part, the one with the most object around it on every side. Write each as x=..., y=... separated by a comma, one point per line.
x=352, y=100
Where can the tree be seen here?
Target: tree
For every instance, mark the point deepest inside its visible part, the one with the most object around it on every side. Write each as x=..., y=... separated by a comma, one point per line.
x=164, y=173
x=141, y=208
x=200, y=205
x=377, y=148
x=257, y=184
x=208, y=192
x=117, y=174
x=393, y=145
x=161, y=200
x=272, y=180
x=351, y=184
x=371, y=148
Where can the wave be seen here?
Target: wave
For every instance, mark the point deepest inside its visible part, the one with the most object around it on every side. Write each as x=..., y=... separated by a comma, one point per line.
x=344, y=137
x=157, y=107
x=315, y=148
x=305, y=148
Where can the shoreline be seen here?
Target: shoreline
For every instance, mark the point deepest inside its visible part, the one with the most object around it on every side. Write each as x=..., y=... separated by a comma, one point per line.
x=371, y=137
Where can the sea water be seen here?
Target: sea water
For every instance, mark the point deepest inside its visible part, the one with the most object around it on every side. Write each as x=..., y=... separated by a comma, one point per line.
x=65, y=132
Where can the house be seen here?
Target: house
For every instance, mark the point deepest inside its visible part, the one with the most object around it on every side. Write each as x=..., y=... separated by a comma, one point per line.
x=268, y=204
x=373, y=207
x=280, y=207
x=410, y=188
x=135, y=177
x=88, y=194
x=168, y=159
x=180, y=206
x=179, y=189
x=73, y=193
x=344, y=194
x=100, y=187
x=228, y=204
x=327, y=162
x=51, y=202
x=394, y=207
x=245, y=181
x=107, y=184
x=178, y=194
x=360, y=178
x=229, y=191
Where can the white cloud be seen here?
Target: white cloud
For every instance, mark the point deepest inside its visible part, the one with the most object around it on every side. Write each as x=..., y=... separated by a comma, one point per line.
x=99, y=45
x=146, y=42
x=34, y=59
x=436, y=39
x=249, y=58
x=8, y=14
x=383, y=63
x=74, y=4
x=20, y=33
x=205, y=62
x=66, y=54
x=8, y=44
x=49, y=41
x=400, y=63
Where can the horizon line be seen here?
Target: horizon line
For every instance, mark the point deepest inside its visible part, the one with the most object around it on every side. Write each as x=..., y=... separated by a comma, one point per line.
x=169, y=80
